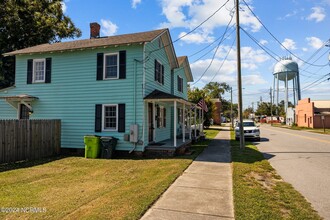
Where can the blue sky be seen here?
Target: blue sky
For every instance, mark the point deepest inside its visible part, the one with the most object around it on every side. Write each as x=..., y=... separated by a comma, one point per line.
x=301, y=26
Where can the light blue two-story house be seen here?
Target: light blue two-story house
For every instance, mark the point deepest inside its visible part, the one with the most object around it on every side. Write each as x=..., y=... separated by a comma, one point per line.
x=132, y=87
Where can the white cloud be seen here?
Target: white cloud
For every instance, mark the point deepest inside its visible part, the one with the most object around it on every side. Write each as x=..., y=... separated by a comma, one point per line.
x=318, y=14
x=108, y=28
x=225, y=74
x=289, y=44
x=135, y=3
x=191, y=13
x=196, y=38
x=263, y=42
x=314, y=42
x=251, y=58
x=64, y=7
x=253, y=79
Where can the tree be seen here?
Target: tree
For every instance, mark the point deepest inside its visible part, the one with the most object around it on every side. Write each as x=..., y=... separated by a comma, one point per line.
x=264, y=109
x=26, y=23
x=195, y=94
x=247, y=112
x=215, y=89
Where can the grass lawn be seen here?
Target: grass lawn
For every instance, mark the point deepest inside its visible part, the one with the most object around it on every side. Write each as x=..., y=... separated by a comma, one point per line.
x=79, y=188
x=259, y=193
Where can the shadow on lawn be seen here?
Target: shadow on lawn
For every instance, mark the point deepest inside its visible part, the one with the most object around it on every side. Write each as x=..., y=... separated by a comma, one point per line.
x=248, y=154
x=26, y=164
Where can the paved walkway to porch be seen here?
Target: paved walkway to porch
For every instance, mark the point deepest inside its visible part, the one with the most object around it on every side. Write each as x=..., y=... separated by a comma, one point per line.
x=204, y=190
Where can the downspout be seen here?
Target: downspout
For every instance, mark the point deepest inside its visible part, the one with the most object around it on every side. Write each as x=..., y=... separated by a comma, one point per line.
x=134, y=99
x=143, y=93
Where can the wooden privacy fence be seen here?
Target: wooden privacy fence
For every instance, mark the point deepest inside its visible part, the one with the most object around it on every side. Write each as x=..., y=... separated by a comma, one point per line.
x=29, y=139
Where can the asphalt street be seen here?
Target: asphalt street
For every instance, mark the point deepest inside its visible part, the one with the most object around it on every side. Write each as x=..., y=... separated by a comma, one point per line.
x=302, y=159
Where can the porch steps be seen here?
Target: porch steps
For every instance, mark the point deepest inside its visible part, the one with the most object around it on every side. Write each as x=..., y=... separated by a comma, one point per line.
x=164, y=150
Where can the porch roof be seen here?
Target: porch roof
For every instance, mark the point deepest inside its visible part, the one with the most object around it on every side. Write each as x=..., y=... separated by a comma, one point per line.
x=21, y=97
x=157, y=95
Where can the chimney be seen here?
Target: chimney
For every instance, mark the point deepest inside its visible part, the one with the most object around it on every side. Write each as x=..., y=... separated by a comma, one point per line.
x=95, y=30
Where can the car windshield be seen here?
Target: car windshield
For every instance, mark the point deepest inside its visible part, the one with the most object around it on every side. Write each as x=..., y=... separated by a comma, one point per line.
x=247, y=124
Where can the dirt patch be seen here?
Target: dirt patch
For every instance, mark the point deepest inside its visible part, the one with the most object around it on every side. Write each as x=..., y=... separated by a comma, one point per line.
x=266, y=180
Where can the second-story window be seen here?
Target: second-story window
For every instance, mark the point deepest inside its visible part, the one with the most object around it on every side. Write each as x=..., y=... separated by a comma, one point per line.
x=39, y=69
x=159, y=72
x=111, y=67
x=180, y=84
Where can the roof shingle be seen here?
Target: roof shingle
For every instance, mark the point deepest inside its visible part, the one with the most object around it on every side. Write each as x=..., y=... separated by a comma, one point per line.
x=135, y=38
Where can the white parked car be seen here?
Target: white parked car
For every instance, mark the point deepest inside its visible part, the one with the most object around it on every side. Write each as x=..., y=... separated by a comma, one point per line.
x=251, y=130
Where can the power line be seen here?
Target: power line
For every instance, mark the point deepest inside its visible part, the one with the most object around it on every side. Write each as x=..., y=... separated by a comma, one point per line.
x=312, y=84
x=215, y=52
x=278, y=40
x=210, y=44
x=171, y=43
x=223, y=60
x=202, y=22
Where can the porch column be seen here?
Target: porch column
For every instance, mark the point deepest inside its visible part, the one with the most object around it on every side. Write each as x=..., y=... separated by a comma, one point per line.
x=175, y=122
x=154, y=121
x=189, y=123
x=184, y=123
x=195, y=120
x=203, y=120
x=199, y=116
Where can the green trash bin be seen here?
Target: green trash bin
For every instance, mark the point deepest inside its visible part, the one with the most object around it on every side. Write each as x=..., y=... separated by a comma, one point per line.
x=92, y=146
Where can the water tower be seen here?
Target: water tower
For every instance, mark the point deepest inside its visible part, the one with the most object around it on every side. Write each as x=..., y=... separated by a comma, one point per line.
x=286, y=70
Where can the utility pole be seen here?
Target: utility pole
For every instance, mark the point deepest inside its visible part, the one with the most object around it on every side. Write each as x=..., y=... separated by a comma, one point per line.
x=239, y=78
x=231, y=107
x=271, y=106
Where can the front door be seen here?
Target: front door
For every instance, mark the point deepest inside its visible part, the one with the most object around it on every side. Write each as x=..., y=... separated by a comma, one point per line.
x=24, y=112
x=150, y=122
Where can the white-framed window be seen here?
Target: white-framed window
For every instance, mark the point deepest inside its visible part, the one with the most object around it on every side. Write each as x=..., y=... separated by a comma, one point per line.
x=161, y=117
x=39, y=70
x=110, y=117
x=111, y=66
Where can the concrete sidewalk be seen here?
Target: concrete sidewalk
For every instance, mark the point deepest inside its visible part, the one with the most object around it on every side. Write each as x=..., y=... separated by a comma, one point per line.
x=204, y=190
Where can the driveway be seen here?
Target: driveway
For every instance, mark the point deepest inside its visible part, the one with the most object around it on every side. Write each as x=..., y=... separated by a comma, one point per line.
x=303, y=159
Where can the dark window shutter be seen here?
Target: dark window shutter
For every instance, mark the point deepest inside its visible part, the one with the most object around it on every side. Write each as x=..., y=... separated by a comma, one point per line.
x=121, y=119
x=122, y=64
x=99, y=67
x=164, y=115
x=178, y=82
x=162, y=74
x=48, y=70
x=29, y=71
x=98, y=118
x=156, y=72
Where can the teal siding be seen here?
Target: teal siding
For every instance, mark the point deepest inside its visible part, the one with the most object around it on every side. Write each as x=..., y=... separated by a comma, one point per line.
x=73, y=92
x=154, y=52
x=180, y=72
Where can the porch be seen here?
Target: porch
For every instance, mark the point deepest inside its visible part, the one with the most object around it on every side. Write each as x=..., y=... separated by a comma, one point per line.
x=167, y=149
